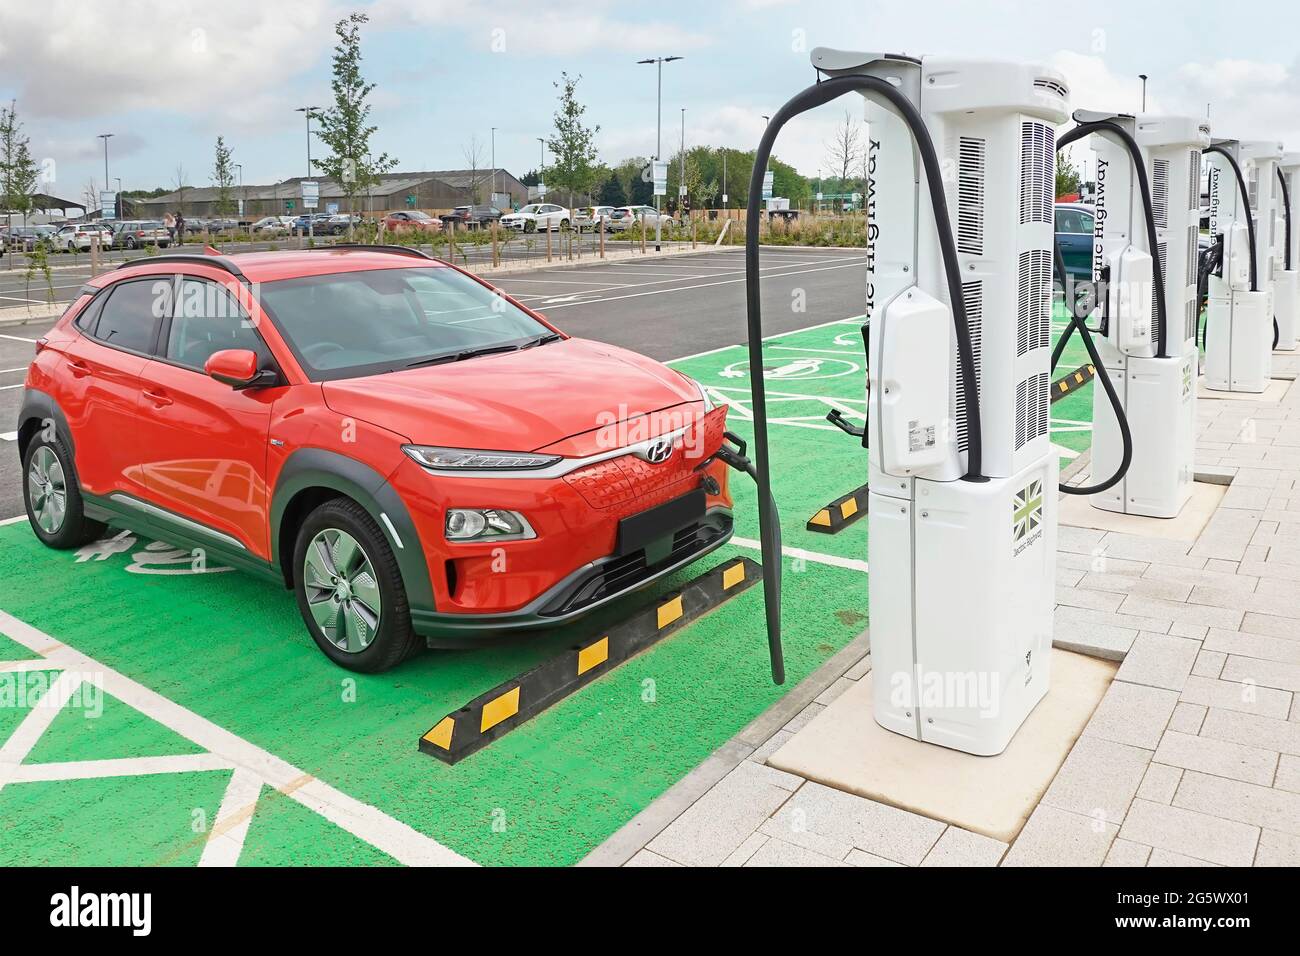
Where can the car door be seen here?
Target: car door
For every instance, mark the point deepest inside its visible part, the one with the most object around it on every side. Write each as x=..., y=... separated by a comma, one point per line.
x=99, y=391
x=1076, y=242
x=206, y=442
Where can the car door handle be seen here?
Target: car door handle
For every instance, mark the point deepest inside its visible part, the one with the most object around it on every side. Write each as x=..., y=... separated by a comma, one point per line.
x=78, y=368
x=158, y=398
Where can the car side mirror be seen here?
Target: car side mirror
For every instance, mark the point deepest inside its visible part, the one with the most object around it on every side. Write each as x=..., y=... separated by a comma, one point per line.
x=238, y=369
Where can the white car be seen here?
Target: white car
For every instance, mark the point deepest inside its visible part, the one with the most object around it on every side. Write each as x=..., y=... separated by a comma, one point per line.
x=76, y=236
x=273, y=225
x=537, y=216
x=626, y=217
x=592, y=217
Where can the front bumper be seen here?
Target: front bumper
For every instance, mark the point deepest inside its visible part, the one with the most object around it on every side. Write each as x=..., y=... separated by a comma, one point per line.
x=591, y=586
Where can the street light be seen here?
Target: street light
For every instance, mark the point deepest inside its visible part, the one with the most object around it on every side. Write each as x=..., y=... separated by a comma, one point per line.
x=1143, y=78
x=681, y=186
x=105, y=137
x=492, y=194
x=659, y=62
x=308, y=110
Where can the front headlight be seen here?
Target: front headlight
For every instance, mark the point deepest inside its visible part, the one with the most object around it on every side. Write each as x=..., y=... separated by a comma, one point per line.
x=479, y=524
x=469, y=459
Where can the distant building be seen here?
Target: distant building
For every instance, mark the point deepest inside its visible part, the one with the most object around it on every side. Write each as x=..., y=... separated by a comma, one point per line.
x=433, y=191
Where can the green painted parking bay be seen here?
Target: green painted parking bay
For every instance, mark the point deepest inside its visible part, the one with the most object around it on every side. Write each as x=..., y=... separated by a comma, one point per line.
x=233, y=650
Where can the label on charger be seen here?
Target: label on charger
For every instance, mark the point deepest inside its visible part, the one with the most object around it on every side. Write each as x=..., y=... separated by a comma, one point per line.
x=919, y=436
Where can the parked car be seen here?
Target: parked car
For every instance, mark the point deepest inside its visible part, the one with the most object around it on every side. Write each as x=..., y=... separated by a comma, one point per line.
x=471, y=216
x=1074, y=230
x=406, y=221
x=472, y=496
x=627, y=217
x=77, y=236
x=591, y=218
x=317, y=219
x=139, y=233
x=27, y=238
x=339, y=224
x=537, y=215
x=272, y=225
x=221, y=225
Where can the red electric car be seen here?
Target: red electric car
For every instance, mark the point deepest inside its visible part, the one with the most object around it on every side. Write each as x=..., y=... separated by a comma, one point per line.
x=420, y=457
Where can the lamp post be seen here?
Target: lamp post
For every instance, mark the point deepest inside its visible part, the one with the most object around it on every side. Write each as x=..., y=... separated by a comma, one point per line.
x=493, y=192
x=1143, y=78
x=311, y=225
x=659, y=62
x=105, y=137
x=681, y=185
x=118, y=206
x=541, y=170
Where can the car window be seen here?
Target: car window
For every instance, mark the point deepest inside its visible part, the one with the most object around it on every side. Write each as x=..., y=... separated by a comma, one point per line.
x=207, y=320
x=1086, y=222
x=379, y=320
x=130, y=317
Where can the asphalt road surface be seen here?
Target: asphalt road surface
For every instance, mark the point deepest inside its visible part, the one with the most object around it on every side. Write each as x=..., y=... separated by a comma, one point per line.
x=664, y=308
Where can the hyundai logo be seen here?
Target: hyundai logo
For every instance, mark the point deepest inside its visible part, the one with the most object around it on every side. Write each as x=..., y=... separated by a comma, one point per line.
x=659, y=451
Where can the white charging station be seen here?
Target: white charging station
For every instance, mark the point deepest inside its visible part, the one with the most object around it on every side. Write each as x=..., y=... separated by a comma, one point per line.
x=1286, y=256
x=1239, y=315
x=962, y=571
x=1158, y=394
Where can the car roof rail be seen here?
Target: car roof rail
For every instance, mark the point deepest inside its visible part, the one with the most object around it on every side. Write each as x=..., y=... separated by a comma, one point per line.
x=217, y=262
x=376, y=247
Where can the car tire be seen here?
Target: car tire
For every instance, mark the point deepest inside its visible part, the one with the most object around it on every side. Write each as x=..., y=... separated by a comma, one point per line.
x=365, y=638
x=564, y=224
x=52, y=495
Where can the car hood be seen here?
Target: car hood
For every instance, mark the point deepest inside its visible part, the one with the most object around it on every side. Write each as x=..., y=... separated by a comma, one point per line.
x=513, y=401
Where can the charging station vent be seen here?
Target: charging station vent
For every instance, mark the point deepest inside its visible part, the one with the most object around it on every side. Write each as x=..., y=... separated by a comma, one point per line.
x=972, y=293
x=1252, y=188
x=1160, y=192
x=1194, y=181
x=1163, y=255
x=1037, y=172
x=1034, y=319
x=1193, y=313
x=971, y=154
x=1033, y=396
x=1193, y=253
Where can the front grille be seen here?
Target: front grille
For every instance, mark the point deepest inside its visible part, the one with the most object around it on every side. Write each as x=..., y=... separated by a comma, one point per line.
x=616, y=575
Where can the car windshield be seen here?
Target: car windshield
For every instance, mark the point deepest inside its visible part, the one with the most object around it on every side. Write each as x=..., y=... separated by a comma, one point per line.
x=531, y=207
x=382, y=320
x=419, y=215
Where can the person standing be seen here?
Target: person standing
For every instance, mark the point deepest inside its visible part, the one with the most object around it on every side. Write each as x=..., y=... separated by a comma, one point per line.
x=180, y=228
x=169, y=222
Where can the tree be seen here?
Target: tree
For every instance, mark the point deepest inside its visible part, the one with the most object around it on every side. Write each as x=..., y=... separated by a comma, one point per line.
x=473, y=154
x=842, y=152
x=180, y=186
x=1067, y=176
x=223, y=177
x=343, y=127
x=18, y=171
x=611, y=192
x=573, y=147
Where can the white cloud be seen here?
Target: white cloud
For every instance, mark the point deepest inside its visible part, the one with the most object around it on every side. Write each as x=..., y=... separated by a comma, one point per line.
x=73, y=60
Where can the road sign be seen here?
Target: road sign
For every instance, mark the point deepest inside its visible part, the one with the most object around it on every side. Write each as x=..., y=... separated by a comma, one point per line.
x=661, y=177
x=767, y=184
x=332, y=208
x=108, y=204
x=410, y=201
x=724, y=199
x=289, y=205
x=310, y=194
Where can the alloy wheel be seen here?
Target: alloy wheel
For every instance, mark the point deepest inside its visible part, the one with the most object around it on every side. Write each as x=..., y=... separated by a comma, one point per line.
x=342, y=590
x=47, y=490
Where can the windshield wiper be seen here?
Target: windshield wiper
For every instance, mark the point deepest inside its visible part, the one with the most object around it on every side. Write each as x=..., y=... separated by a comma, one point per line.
x=484, y=350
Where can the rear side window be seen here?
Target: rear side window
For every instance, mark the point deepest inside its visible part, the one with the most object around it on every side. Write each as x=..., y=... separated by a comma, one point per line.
x=129, y=319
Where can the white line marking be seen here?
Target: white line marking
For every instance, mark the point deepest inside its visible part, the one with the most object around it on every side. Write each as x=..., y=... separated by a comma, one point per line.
x=703, y=285
x=118, y=767
x=9, y=436
x=400, y=841
x=5, y=388
x=230, y=828
x=19, y=667
x=853, y=564
x=14, y=520
x=774, y=335
x=38, y=719
x=14, y=338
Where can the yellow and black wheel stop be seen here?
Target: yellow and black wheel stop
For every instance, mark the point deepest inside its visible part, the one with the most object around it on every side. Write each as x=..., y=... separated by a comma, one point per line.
x=840, y=513
x=505, y=707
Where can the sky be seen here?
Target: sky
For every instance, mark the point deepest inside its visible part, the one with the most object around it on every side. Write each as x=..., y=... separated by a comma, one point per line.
x=166, y=77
